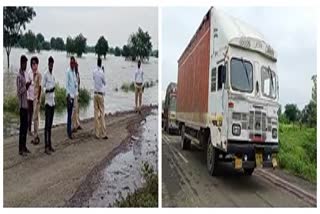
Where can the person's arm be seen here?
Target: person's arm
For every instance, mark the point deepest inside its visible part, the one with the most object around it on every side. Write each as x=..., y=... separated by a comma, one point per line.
x=103, y=79
x=68, y=84
x=20, y=87
x=40, y=88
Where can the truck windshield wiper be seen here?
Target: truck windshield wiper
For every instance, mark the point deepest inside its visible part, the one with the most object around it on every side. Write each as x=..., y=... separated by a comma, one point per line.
x=245, y=68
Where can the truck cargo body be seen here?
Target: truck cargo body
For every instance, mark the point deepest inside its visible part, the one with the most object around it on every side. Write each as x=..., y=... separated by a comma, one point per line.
x=227, y=95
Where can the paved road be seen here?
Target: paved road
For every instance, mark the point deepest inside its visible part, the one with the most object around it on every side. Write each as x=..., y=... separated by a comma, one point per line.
x=186, y=183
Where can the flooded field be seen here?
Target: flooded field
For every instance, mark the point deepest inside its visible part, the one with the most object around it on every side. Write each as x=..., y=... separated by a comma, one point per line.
x=118, y=71
x=124, y=173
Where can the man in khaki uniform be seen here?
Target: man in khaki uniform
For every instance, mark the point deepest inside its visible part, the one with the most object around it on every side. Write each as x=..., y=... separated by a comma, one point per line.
x=75, y=113
x=37, y=79
x=138, y=79
x=99, y=88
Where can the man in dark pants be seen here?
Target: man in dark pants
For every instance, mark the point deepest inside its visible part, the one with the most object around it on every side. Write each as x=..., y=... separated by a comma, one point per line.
x=71, y=87
x=22, y=87
x=49, y=86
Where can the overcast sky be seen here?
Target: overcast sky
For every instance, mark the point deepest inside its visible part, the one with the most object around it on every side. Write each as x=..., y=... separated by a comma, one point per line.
x=291, y=31
x=115, y=23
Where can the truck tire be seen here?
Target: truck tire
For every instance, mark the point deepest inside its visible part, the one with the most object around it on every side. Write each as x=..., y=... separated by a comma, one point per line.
x=185, y=142
x=212, y=158
x=248, y=171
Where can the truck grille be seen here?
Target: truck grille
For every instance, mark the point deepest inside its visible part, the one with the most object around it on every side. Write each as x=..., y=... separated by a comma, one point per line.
x=257, y=121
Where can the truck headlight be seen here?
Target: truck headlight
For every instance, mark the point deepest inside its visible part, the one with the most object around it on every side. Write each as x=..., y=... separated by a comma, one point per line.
x=236, y=129
x=274, y=133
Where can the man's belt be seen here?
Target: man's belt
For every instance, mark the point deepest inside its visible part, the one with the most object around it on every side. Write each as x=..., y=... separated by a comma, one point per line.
x=99, y=93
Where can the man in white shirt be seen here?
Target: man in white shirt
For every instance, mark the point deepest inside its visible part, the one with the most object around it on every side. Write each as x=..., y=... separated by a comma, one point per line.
x=99, y=91
x=138, y=79
x=49, y=88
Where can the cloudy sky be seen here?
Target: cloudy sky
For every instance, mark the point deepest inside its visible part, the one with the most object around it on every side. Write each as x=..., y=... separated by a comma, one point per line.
x=291, y=31
x=115, y=23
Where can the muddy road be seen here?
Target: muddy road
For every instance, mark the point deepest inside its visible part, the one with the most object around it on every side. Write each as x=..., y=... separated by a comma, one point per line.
x=186, y=183
x=39, y=180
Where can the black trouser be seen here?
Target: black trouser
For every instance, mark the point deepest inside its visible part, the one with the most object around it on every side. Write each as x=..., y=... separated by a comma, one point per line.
x=69, y=119
x=23, y=129
x=49, y=112
x=30, y=113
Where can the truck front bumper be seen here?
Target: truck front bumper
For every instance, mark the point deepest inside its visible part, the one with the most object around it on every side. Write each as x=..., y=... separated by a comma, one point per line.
x=251, y=154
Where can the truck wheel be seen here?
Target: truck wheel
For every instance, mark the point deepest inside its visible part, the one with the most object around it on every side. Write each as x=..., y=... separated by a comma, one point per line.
x=185, y=142
x=212, y=158
x=248, y=171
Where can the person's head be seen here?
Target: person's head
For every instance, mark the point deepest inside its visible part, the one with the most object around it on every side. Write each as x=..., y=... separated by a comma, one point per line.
x=99, y=62
x=139, y=64
x=23, y=62
x=72, y=62
x=76, y=67
x=50, y=63
x=34, y=63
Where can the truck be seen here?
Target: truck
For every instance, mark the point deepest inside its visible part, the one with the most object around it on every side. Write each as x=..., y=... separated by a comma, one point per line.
x=227, y=94
x=169, y=109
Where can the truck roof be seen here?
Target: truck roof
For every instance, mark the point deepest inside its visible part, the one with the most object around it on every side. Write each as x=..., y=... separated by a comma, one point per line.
x=229, y=29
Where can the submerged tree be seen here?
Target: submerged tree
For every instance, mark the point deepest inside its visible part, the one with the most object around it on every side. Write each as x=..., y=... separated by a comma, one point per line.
x=14, y=20
x=140, y=45
x=102, y=47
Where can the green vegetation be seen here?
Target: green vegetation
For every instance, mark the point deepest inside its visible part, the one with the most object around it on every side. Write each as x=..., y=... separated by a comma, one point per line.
x=126, y=87
x=147, y=196
x=298, y=138
x=11, y=105
x=102, y=47
x=77, y=45
x=298, y=150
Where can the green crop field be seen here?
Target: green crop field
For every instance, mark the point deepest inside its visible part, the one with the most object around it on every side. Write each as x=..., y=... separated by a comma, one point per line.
x=298, y=150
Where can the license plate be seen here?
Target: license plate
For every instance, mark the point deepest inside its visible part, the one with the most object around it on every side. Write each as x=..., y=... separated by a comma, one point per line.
x=259, y=159
x=238, y=163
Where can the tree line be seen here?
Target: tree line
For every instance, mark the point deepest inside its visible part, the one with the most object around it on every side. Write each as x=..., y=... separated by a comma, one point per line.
x=139, y=44
x=307, y=116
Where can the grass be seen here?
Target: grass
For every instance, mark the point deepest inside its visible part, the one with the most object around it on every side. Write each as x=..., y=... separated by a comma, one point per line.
x=10, y=103
x=147, y=196
x=298, y=150
x=126, y=87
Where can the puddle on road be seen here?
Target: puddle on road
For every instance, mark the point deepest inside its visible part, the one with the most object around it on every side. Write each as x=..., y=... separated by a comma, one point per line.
x=124, y=175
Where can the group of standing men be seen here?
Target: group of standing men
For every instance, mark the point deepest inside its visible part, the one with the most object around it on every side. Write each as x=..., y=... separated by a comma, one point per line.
x=29, y=90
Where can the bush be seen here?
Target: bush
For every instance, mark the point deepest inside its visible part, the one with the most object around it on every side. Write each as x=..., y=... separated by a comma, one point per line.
x=146, y=196
x=11, y=104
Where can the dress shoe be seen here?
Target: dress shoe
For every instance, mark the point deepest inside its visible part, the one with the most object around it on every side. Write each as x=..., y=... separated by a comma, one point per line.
x=27, y=150
x=51, y=149
x=22, y=154
x=79, y=128
x=47, y=151
x=105, y=137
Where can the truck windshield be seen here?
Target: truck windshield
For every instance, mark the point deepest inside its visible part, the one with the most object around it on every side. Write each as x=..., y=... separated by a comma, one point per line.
x=268, y=82
x=241, y=75
x=173, y=103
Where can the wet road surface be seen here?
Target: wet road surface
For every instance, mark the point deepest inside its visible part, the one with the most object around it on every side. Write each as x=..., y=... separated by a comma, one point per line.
x=186, y=183
x=124, y=174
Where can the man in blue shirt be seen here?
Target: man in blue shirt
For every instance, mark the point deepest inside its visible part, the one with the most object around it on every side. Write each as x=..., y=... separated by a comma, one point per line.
x=71, y=88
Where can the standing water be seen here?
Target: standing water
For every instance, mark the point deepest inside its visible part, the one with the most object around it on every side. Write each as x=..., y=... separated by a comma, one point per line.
x=124, y=173
x=117, y=72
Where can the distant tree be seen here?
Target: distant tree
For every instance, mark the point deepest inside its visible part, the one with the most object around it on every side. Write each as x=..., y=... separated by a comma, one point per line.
x=90, y=49
x=80, y=43
x=102, y=46
x=53, y=43
x=309, y=113
x=39, y=41
x=111, y=50
x=140, y=44
x=154, y=53
x=117, y=51
x=31, y=41
x=22, y=42
x=125, y=51
x=14, y=20
x=46, y=45
x=292, y=112
x=70, y=46
x=60, y=46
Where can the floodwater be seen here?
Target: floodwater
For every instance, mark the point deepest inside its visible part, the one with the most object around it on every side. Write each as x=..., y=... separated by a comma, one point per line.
x=117, y=72
x=124, y=173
